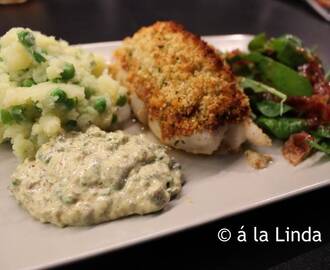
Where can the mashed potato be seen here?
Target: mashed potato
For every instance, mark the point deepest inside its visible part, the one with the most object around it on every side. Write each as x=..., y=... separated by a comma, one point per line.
x=48, y=87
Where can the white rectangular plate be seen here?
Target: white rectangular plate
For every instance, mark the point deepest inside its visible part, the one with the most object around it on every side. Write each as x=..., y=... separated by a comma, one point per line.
x=215, y=187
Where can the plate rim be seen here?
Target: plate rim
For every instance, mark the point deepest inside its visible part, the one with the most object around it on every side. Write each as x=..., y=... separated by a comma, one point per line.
x=150, y=237
x=207, y=38
x=211, y=218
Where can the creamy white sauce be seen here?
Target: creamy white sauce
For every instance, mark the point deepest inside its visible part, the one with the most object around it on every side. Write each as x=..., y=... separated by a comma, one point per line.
x=92, y=177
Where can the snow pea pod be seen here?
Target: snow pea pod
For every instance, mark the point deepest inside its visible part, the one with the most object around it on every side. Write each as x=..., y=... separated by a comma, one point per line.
x=321, y=146
x=322, y=132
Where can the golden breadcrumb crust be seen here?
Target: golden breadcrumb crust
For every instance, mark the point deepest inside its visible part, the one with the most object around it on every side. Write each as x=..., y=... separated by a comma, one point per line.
x=183, y=82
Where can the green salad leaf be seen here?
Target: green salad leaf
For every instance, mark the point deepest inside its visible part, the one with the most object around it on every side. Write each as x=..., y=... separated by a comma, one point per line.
x=258, y=42
x=282, y=127
x=279, y=76
x=259, y=87
x=272, y=109
x=286, y=49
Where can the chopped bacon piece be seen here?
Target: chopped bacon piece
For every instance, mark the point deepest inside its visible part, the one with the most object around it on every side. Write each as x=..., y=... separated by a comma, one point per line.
x=314, y=72
x=318, y=105
x=297, y=148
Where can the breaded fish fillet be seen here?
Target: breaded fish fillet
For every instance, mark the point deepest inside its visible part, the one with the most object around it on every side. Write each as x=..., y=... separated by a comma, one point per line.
x=181, y=88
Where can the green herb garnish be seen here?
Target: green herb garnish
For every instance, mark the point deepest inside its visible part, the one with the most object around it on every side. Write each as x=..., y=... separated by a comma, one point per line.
x=57, y=80
x=121, y=101
x=88, y=92
x=38, y=57
x=26, y=38
x=16, y=182
x=28, y=83
x=6, y=117
x=17, y=113
x=70, y=103
x=114, y=119
x=71, y=125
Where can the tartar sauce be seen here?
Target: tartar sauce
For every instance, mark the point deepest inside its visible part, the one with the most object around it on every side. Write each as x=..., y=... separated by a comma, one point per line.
x=93, y=177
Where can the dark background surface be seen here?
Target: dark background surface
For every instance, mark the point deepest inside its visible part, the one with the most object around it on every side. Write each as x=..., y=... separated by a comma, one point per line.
x=81, y=21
